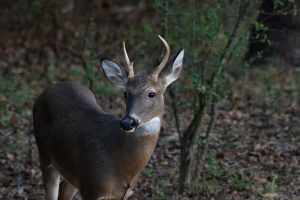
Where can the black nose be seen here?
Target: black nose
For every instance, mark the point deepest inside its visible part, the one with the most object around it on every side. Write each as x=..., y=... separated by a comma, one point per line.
x=128, y=123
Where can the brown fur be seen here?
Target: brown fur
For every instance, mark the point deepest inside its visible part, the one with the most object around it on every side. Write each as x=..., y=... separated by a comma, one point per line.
x=64, y=139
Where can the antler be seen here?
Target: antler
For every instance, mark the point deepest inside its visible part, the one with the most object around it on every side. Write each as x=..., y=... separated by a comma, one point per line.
x=164, y=61
x=129, y=64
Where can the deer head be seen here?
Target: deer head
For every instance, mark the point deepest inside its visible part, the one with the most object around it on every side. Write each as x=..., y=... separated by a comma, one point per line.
x=143, y=94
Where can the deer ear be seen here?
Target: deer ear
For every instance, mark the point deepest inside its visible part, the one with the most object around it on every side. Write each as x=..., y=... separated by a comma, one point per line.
x=171, y=72
x=114, y=73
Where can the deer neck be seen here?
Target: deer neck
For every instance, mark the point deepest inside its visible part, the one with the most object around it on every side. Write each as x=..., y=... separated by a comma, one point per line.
x=137, y=148
x=134, y=155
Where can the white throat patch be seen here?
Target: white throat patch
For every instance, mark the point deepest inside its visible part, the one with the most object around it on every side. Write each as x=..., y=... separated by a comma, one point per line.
x=149, y=128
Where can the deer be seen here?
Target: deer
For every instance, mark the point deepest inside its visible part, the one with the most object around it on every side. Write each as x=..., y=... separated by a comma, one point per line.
x=83, y=148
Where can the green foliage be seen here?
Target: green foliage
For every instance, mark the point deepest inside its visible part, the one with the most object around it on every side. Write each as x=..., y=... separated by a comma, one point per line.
x=16, y=95
x=162, y=195
x=36, y=12
x=261, y=36
x=260, y=26
x=147, y=28
x=241, y=182
x=280, y=8
x=213, y=166
x=196, y=79
x=279, y=4
x=204, y=29
x=5, y=117
x=271, y=186
x=274, y=87
x=148, y=173
x=18, y=90
x=91, y=73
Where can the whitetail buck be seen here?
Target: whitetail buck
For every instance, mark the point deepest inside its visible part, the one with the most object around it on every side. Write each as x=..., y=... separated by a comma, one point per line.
x=91, y=150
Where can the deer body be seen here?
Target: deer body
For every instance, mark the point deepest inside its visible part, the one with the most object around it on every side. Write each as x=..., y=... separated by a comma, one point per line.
x=93, y=151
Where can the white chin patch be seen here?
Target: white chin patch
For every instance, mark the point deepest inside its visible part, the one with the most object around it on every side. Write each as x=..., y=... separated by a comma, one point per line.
x=149, y=128
x=130, y=131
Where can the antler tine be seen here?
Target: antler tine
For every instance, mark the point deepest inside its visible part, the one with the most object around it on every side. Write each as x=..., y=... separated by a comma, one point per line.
x=129, y=64
x=165, y=59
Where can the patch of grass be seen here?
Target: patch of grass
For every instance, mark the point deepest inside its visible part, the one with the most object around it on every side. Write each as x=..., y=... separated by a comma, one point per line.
x=23, y=93
x=241, y=182
x=5, y=118
x=232, y=139
x=208, y=185
x=271, y=188
x=17, y=96
x=161, y=182
x=213, y=166
x=55, y=72
x=162, y=195
x=148, y=172
x=271, y=86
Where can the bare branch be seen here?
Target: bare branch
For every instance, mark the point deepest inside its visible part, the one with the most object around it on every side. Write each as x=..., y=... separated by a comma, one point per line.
x=175, y=111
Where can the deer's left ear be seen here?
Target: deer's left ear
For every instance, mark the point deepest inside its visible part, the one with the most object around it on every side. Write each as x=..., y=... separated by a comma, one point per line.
x=115, y=73
x=172, y=70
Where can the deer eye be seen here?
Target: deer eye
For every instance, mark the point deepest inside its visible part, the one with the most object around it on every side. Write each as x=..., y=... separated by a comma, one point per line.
x=151, y=94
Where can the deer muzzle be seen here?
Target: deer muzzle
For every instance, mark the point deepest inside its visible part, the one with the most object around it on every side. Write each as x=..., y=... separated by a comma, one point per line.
x=128, y=123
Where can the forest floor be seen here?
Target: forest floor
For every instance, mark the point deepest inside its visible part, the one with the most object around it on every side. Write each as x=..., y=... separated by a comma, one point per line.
x=254, y=148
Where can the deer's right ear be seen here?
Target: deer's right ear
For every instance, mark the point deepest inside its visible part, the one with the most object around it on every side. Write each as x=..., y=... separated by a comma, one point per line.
x=173, y=69
x=114, y=72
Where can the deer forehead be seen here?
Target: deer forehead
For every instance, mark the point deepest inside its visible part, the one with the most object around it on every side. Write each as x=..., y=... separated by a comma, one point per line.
x=142, y=83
